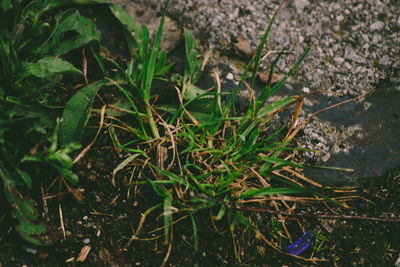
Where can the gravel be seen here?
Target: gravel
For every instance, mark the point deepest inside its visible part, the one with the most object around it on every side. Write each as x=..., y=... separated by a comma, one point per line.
x=354, y=42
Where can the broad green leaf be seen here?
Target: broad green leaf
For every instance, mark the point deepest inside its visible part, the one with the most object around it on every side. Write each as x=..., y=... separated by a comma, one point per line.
x=50, y=65
x=71, y=177
x=122, y=104
x=61, y=155
x=37, y=8
x=192, y=91
x=5, y=4
x=198, y=102
x=70, y=21
x=25, y=177
x=23, y=210
x=85, y=29
x=77, y=112
x=31, y=232
x=132, y=33
x=125, y=19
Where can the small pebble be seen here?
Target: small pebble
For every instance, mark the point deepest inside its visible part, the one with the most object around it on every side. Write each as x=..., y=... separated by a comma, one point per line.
x=339, y=18
x=397, y=263
x=31, y=250
x=86, y=241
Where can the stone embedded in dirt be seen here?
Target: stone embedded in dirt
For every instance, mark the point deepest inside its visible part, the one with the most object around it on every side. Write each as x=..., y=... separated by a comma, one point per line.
x=264, y=77
x=105, y=255
x=397, y=263
x=145, y=15
x=243, y=46
x=172, y=33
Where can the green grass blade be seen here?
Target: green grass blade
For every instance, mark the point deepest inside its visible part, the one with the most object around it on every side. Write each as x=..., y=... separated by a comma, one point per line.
x=124, y=163
x=148, y=75
x=275, y=106
x=261, y=45
x=173, y=177
x=194, y=226
x=293, y=69
x=167, y=215
x=251, y=193
x=128, y=96
x=220, y=213
x=237, y=217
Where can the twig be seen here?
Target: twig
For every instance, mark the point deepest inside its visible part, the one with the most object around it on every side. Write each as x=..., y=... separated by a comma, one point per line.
x=321, y=216
x=233, y=206
x=61, y=220
x=84, y=151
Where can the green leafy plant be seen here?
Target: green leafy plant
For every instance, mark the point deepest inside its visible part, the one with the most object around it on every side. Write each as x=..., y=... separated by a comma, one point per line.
x=33, y=40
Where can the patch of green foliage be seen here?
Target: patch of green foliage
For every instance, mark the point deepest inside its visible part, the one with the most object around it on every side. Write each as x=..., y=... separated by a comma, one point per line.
x=34, y=39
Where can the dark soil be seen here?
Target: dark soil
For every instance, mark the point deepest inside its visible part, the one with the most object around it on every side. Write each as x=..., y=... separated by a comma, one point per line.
x=106, y=218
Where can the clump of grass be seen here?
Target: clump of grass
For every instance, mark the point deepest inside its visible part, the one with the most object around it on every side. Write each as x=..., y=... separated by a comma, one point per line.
x=207, y=155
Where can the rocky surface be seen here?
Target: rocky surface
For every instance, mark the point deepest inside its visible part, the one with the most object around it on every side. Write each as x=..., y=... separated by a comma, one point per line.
x=354, y=47
x=354, y=43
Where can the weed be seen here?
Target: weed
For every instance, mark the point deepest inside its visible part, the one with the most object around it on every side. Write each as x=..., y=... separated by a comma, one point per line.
x=393, y=182
x=320, y=241
x=210, y=156
x=33, y=43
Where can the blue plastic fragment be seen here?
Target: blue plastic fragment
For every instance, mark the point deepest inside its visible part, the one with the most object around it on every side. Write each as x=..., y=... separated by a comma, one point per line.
x=301, y=244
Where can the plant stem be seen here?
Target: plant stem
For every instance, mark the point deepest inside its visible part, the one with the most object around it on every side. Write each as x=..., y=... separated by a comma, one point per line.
x=152, y=123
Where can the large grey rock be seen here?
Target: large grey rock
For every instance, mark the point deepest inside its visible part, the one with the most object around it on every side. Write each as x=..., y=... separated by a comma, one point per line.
x=364, y=136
